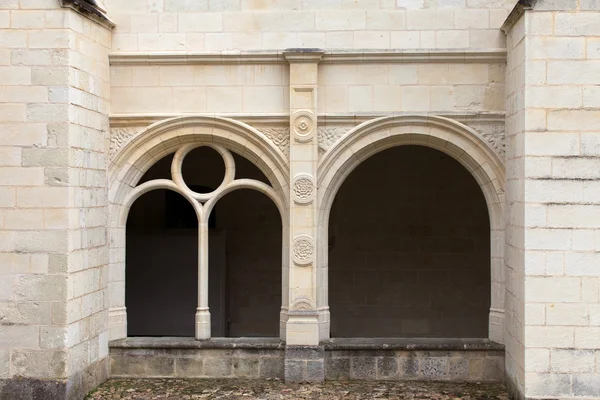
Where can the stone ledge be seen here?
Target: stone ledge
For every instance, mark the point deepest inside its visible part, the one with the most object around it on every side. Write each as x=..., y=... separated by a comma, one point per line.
x=192, y=343
x=432, y=344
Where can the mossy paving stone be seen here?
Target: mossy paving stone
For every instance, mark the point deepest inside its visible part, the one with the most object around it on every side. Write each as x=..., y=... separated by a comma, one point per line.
x=229, y=389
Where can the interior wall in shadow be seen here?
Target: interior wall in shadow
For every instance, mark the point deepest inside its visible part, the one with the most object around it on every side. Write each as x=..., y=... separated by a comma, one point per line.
x=409, y=256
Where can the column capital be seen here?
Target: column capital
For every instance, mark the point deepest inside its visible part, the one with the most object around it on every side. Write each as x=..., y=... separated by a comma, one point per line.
x=303, y=55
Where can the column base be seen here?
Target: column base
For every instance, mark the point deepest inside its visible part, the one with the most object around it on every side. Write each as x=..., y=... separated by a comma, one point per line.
x=202, y=324
x=304, y=364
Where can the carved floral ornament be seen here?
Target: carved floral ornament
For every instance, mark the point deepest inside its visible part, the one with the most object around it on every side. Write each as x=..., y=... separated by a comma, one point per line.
x=303, y=189
x=303, y=250
x=303, y=126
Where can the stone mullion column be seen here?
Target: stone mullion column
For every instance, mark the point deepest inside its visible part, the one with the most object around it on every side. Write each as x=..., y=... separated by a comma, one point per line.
x=304, y=358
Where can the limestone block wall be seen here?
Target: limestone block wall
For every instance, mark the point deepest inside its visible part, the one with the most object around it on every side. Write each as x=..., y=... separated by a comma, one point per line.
x=411, y=87
x=216, y=25
x=53, y=118
x=556, y=198
x=168, y=89
x=514, y=241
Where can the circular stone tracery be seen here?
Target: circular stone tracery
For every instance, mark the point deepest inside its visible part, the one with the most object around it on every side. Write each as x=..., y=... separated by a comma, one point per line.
x=303, y=189
x=303, y=250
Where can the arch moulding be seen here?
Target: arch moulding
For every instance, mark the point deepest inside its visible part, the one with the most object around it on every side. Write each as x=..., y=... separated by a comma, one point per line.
x=443, y=134
x=180, y=135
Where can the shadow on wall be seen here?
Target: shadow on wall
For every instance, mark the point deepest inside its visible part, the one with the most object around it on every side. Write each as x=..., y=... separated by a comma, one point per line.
x=409, y=249
x=244, y=255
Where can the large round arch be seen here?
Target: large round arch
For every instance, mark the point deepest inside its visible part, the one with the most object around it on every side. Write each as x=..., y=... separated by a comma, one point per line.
x=443, y=134
x=180, y=135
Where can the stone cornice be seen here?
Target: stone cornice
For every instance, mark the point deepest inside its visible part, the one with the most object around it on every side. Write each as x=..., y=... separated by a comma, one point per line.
x=90, y=9
x=516, y=13
x=126, y=120
x=313, y=55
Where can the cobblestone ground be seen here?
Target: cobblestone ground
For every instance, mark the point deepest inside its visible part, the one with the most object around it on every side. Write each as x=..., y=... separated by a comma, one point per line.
x=184, y=389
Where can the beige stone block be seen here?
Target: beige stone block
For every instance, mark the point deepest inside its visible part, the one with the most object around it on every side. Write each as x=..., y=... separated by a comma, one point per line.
x=336, y=99
x=442, y=98
x=175, y=75
x=548, y=239
x=361, y=4
x=573, y=119
x=468, y=97
x=13, y=39
x=405, y=39
x=451, y=39
x=574, y=361
x=535, y=314
x=553, y=289
x=577, y=24
x=471, y=19
x=49, y=363
x=189, y=99
x=468, y=73
x=590, y=143
x=12, y=112
x=548, y=336
x=387, y=98
x=50, y=76
x=487, y=38
x=23, y=219
x=161, y=41
x=124, y=42
x=587, y=338
x=307, y=40
x=402, y=74
x=200, y=23
x=38, y=197
x=410, y=4
x=427, y=39
x=497, y=18
x=371, y=39
x=339, y=40
x=573, y=72
x=143, y=99
x=53, y=39
x=10, y=156
x=28, y=20
x=168, y=23
x=144, y=23
x=547, y=47
x=360, y=98
x=429, y=19
x=537, y=360
x=386, y=20
x=149, y=76
x=552, y=143
x=263, y=99
x=335, y=20
x=582, y=264
x=15, y=76
x=568, y=216
x=279, y=40
x=595, y=314
x=433, y=74
x=416, y=98
x=593, y=48
x=224, y=99
x=47, y=112
x=567, y=314
x=186, y=6
x=591, y=96
x=19, y=336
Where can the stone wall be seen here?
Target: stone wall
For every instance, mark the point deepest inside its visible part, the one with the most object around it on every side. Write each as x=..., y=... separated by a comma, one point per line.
x=514, y=241
x=409, y=252
x=209, y=25
x=54, y=102
x=555, y=138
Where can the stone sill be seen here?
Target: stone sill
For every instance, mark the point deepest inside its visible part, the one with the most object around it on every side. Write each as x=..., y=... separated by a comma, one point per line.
x=428, y=344
x=192, y=343
x=431, y=344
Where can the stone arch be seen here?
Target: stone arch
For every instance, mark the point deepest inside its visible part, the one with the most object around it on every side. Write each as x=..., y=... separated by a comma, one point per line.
x=180, y=135
x=443, y=134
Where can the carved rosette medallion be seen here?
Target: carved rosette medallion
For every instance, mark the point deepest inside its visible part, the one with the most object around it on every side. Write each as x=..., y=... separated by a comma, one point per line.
x=303, y=189
x=303, y=250
x=303, y=126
